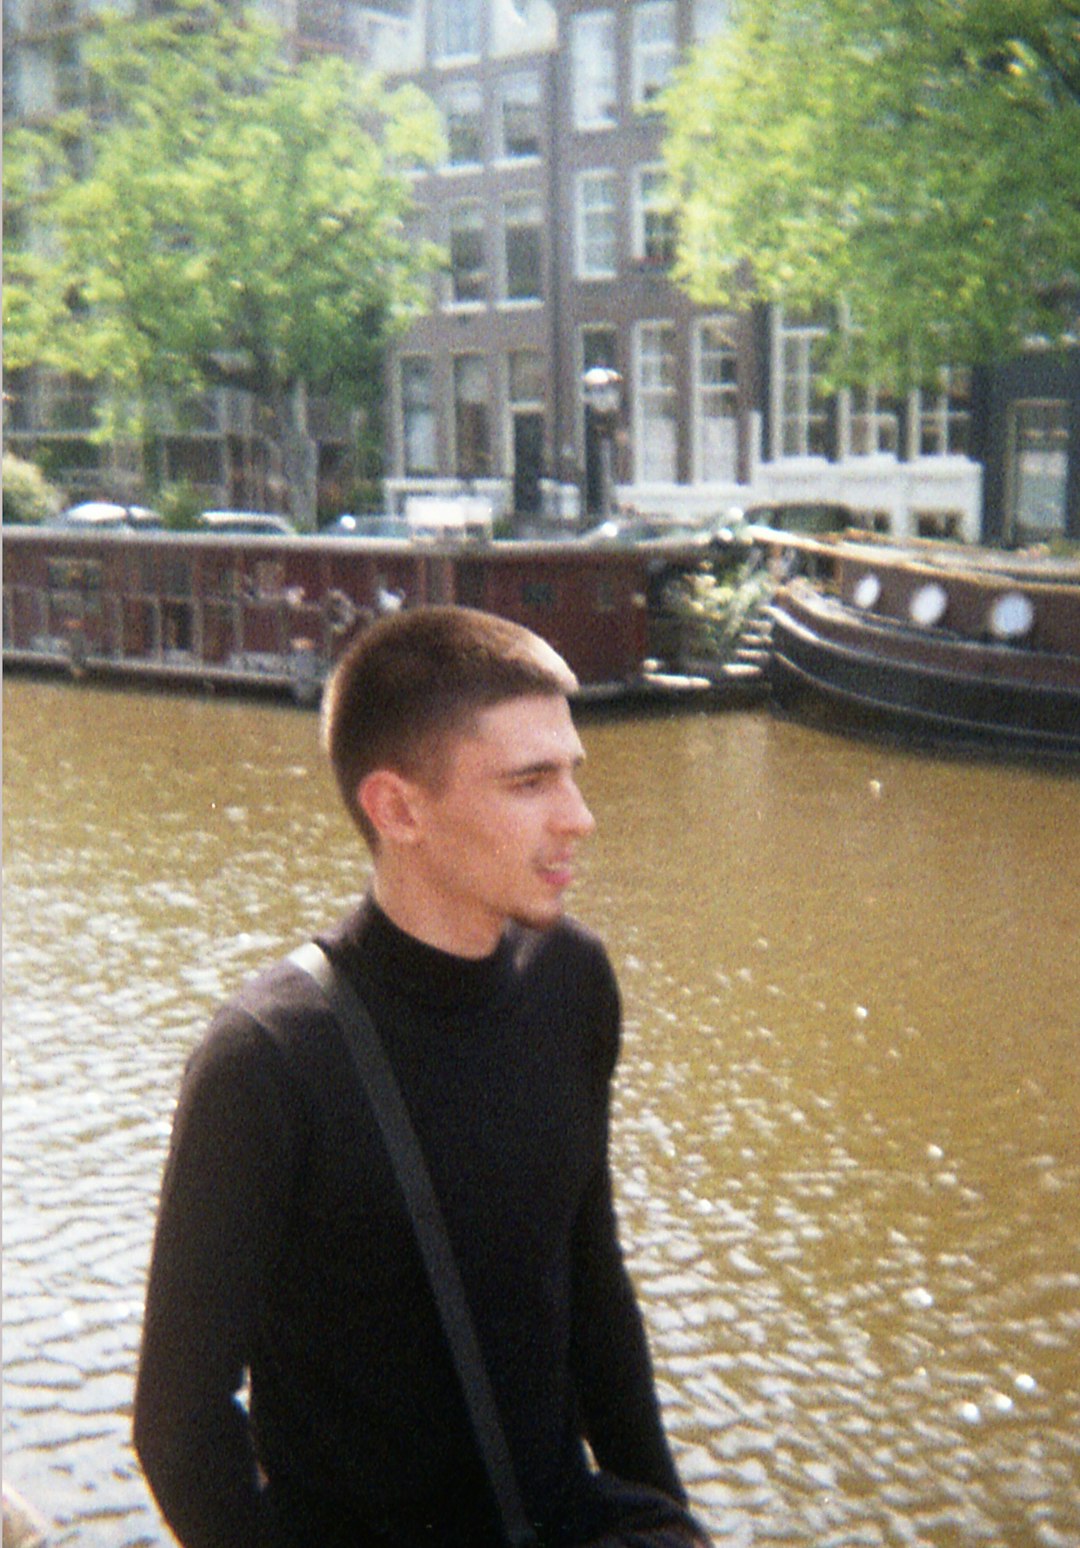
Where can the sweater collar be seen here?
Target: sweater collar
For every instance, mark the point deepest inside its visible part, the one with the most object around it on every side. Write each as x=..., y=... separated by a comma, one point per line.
x=425, y=974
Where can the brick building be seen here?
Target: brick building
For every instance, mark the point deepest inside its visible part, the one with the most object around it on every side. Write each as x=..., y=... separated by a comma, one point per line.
x=550, y=208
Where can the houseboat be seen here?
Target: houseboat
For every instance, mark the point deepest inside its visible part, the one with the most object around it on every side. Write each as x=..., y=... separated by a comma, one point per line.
x=274, y=612
x=936, y=641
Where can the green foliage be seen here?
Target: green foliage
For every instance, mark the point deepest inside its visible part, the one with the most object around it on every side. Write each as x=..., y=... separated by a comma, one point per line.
x=714, y=605
x=915, y=160
x=178, y=505
x=243, y=220
x=28, y=495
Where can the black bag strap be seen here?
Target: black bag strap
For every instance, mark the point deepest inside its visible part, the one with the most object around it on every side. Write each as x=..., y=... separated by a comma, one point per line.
x=414, y=1179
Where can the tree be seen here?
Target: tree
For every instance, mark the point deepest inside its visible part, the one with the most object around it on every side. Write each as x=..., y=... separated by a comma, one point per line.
x=915, y=161
x=242, y=222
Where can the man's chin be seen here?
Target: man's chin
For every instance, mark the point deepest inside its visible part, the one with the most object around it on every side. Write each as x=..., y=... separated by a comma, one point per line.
x=539, y=916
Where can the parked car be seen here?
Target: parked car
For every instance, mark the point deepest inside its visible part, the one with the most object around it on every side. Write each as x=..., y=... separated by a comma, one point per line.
x=108, y=515
x=249, y=523
x=812, y=517
x=643, y=529
x=395, y=527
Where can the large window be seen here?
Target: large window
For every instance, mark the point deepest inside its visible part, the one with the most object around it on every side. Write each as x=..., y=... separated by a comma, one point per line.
x=527, y=378
x=418, y=414
x=942, y=419
x=472, y=431
x=592, y=46
x=711, y=17
x=468, y=270
x=523, y=240
x=655, y=48
x=463, y=113
x=800, y=404
x=519, y=116
x=1038, y=463
x=657, y=440
x=597, y=248
x=717, y=408
x=654, y=220
x=457, y=27
x=873, y=422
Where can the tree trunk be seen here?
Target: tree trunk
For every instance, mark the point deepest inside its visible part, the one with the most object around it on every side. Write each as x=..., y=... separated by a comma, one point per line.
x=300, y=455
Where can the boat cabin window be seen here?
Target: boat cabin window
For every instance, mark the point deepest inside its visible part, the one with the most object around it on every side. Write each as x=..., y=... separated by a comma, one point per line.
x=81, y=576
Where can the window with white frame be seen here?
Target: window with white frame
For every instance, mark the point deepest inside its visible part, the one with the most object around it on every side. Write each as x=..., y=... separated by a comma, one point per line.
x=799, y=400
x=716, y=393
x=654, y=219
x=523, y=248
x=1038, y=457
x=468, y=268
x=65, y=402
x=711, y=17
x=519, y=116
x=472, y=427
x=458, y=28
x=941, y=420
x=873, y=422
x=657, y=439
x=527, y=378
x=592, y=63
x=418, y=414
x=655, y=48
x=69, y=76
x=463, y=115
x=597, y=228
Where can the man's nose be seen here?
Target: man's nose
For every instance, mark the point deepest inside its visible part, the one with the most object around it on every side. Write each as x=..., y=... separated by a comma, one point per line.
x=574, y=815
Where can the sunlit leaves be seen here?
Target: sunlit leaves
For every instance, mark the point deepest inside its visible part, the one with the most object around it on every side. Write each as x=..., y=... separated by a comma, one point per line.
x=915, y=159
x=242, y=218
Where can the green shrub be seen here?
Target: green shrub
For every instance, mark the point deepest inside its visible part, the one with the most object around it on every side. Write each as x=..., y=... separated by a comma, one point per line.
x=178, y=505
x=714, y=609
x=28, y=495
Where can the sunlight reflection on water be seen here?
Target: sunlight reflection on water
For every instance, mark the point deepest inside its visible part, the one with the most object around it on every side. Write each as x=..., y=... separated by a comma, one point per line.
x=847, y=1116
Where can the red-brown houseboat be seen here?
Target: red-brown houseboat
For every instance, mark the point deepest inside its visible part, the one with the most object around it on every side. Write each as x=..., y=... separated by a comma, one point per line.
x=275, y=612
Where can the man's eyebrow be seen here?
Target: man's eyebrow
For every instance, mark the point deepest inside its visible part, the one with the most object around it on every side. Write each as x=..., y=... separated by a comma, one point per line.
x=541, y=766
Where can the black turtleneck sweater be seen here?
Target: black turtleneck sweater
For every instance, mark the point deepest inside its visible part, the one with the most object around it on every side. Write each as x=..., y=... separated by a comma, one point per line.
x=283, y=1253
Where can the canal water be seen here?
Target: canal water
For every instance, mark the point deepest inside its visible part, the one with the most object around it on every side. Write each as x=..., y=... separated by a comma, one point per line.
x=847, y=1116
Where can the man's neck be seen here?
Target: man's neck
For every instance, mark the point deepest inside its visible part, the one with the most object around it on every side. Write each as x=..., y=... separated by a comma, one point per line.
x=472, y=939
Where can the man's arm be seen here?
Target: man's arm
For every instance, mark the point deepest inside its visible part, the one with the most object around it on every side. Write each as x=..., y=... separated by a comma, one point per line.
x=224, y=1197
x=612, y=1365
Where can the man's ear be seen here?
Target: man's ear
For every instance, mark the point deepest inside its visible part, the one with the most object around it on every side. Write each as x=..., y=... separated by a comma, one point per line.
x=387, y=799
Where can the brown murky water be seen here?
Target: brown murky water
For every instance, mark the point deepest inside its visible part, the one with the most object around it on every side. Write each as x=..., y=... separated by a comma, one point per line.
x=848, y=1114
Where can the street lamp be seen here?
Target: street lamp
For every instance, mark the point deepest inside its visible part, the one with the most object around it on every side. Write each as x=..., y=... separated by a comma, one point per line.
x=601, y=387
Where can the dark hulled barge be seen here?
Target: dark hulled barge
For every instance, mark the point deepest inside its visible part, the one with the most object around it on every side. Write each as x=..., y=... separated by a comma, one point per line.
x=936, y=642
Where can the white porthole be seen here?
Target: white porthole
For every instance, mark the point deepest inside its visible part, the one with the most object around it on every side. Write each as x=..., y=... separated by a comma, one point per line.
x=867, y=591
x=927, y=606
x=1011, y=616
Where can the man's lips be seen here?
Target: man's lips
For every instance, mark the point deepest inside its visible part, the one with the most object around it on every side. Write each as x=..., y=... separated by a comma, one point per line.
x=557, y=873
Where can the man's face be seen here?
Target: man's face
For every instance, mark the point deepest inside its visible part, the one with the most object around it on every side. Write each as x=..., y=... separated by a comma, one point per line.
x=496, y=839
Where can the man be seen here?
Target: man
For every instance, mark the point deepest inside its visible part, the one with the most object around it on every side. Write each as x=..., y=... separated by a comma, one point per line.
x=284, y=1258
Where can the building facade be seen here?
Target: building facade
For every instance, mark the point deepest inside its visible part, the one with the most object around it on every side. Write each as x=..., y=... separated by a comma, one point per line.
x=559, y=244
x=550, y=208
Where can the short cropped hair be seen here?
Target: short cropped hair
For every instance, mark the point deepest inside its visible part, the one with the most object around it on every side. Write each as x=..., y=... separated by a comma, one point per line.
x=417, y=676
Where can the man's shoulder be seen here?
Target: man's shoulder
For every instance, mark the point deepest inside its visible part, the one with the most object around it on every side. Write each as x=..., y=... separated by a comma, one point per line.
x=569, y=949
x=267, y=1018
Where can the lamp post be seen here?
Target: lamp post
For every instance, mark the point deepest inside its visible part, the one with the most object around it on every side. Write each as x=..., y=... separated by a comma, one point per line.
x=601, y=387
